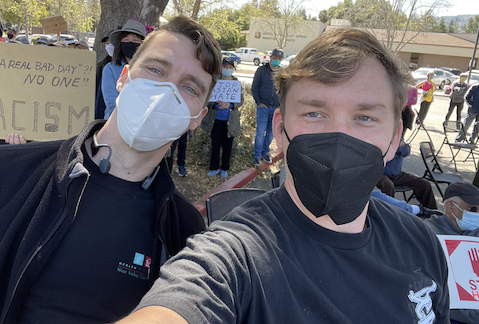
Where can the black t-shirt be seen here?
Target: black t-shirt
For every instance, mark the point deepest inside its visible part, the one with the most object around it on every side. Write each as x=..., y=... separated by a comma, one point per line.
x=106, y=262
x=269, y=263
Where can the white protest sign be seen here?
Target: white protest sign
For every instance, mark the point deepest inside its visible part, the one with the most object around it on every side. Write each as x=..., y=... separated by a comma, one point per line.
x=227, y=90
x=46, y=92
x=462, y=254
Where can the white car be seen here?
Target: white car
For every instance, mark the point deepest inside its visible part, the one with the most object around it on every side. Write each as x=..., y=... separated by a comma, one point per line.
x=90, y=41
x=285, y=62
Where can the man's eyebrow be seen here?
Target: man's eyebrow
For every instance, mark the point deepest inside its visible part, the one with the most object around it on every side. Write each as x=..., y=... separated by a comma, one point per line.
x=200, y=84
x=323, y=103
x=156, y=59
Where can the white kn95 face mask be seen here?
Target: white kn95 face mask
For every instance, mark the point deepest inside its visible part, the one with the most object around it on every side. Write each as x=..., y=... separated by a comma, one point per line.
x=151, y=113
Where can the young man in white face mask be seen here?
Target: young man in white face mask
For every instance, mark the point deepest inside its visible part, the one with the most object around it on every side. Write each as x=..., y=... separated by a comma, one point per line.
x=86, y=223
x=318, y=249
x=461, y=206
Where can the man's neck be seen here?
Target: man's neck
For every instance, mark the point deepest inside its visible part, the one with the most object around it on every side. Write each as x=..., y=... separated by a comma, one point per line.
x=356, y=226
x=126, y=163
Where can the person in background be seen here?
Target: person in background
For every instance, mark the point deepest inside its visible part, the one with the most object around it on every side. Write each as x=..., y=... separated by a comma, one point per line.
x=99, y=102
x=267, y=100
x=222, y=123
x=394, y=176
x=11, y=34
x=86, y=223
x=2, y=39
x=43, y=41
x=318, y=249
x=428, y=88
x=472, y=100
x=125, y=41
x=458, y=91
x=182, y=144
x=81, y=45
x=407, y=113
x=461, y=217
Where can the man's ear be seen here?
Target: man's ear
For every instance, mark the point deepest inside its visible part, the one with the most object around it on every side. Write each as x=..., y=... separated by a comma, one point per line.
x=122, y=80
x=394, y=142
x=196, y=122
x=278, y=127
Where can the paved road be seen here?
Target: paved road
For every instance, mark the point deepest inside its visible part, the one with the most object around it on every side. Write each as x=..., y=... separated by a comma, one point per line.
x=414, y=163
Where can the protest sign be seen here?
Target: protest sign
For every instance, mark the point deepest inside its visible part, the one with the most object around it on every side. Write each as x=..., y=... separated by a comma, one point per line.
x=462, y=254
x=46, y=92
x=227, y=90
x=53, y=25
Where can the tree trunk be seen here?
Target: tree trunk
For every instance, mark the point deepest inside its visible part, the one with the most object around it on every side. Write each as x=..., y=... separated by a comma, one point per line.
x=115, y=13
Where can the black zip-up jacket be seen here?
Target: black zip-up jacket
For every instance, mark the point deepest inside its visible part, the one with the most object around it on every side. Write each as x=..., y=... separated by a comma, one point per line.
x=263, y=89
x=40, y=190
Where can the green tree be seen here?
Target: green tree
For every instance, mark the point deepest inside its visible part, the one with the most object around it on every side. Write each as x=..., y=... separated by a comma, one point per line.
x=442, y=25
x=452, y=27
x=396, y=22
x=224, y=27
x=472, y=25
x=341, y=11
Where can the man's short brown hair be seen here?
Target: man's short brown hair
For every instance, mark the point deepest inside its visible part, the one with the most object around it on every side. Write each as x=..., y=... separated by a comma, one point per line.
x=334, y=57
x=208, y=50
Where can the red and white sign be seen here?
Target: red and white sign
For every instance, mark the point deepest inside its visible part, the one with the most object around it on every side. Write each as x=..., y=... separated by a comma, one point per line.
x=462, y=254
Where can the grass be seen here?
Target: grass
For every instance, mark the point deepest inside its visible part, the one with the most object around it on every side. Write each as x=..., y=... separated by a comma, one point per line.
x=197, y=184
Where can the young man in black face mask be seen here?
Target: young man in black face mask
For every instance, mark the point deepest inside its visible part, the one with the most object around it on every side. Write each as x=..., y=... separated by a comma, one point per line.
x=318, y=249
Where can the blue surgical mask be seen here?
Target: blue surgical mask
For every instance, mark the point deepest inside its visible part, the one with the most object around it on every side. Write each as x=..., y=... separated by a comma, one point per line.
x=275, y=63
x=469, y=221
x=227, y=72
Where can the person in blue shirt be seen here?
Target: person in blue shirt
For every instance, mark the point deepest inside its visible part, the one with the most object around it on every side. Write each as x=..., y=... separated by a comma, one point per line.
x=125, y=41
x=394, y=176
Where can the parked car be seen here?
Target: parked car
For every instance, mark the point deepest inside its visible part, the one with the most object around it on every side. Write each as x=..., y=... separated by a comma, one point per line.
x=454, y=71
x=90, y=41
x=250, y=55
x=233, y=56
x=285, y=62
x=34, y=38
x=474, y=79
x=441, y=78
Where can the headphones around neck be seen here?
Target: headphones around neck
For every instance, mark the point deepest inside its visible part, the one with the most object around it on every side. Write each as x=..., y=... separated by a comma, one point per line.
x=104, y=163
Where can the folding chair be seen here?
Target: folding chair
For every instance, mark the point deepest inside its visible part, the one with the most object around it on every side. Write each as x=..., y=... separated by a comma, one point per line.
x=419, y=125
x=428, y=157
x=404, y=190
x=451, y=129
x=221, y=203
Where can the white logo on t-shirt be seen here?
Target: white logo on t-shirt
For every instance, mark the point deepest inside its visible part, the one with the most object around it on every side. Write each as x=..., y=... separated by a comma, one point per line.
x=424, y=304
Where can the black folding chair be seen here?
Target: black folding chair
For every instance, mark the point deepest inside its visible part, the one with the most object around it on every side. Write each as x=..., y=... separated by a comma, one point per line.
x=451, y=129
x=404, y=190
x=221, y=203
x=431, y=164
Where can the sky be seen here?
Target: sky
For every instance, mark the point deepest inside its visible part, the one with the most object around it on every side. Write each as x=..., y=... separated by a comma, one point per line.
x=460, y=7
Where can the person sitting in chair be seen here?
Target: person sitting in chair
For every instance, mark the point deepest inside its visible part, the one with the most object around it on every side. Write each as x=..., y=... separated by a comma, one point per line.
x=394, y=176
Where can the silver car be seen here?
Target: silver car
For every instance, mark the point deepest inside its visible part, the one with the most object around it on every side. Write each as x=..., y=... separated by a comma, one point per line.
x=441, y=78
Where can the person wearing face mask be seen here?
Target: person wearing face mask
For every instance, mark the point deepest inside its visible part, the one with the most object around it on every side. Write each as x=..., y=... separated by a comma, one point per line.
x=222, y=122
x=99, y=101
x=318, y=249
x=461, y=217
x=11, y=34
x=459, y=89
x=472, y=100
x=86, y=223
x=125, y=42
x=267, y=100
x=428, y=88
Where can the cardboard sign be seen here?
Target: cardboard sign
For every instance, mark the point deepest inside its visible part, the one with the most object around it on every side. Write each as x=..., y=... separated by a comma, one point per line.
x=46, y=92
x=227, y=90
x=462, y=254
x=53, y=25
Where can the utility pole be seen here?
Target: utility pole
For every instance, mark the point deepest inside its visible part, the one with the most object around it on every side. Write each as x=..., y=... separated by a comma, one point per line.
x=471, y=64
